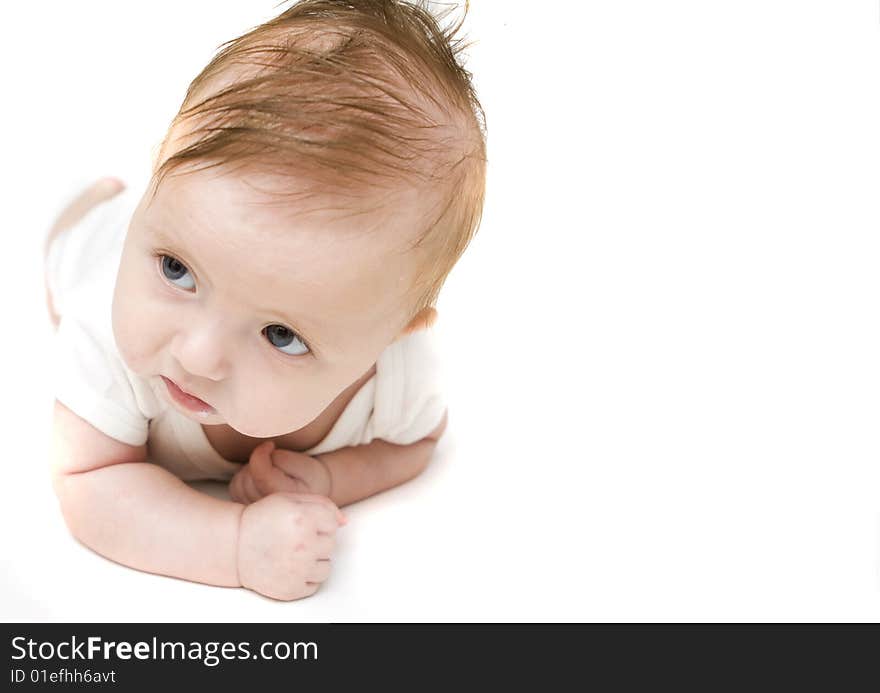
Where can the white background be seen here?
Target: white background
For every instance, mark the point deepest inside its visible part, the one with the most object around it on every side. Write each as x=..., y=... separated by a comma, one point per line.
x=662, y=347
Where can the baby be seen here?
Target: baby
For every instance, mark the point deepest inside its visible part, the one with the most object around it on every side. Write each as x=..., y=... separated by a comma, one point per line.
x=258, y=314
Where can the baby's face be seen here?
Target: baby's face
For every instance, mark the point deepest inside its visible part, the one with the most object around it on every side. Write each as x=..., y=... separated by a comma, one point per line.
x=267, y=313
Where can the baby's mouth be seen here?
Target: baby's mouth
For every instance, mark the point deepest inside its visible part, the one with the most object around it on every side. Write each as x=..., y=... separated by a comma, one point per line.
x=186, y=400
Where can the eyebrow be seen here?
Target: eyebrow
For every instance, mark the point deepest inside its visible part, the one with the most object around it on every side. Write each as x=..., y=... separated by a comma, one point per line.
x=158, y=232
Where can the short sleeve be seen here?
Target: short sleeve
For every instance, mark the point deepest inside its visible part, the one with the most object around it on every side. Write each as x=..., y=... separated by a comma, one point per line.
x=91, y=380
x=409, y=401
x=401, y=404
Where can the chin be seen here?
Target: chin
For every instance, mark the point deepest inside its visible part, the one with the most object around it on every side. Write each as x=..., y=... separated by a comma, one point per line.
x=251, y=433
x=264, y=433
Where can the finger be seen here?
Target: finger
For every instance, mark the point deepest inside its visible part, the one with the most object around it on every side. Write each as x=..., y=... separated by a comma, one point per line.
x=324, y=545
x=316, y=520
x=322, y=501
x=267, y=477
x=262, y=451
x=251, y=493
x=326, y=520
x=235, y=488
x=311, y=588
x=319, y=572
x=259, y=464
x=311, y=472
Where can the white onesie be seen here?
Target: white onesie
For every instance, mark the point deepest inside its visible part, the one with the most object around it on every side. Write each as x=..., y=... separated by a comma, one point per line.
x=401, y=403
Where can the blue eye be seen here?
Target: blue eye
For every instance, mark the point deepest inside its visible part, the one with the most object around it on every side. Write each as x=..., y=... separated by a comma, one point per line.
x=174, y=270
x=281, y=337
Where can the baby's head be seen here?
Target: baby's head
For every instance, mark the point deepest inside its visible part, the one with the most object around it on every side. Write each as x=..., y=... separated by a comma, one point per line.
x=324, y=174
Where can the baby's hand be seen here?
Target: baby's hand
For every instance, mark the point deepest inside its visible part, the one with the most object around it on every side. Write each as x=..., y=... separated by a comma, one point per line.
x=284, y=544
x=271, y=471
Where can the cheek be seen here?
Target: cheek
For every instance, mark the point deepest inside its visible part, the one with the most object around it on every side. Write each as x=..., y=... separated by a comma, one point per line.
x=136, y=323
x=266, y=406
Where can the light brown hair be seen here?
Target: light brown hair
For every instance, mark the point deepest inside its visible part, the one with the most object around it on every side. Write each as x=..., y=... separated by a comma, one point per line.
x=357, y=97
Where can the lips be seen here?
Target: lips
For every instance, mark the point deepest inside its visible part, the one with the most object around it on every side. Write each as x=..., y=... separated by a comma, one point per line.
x=187, y=400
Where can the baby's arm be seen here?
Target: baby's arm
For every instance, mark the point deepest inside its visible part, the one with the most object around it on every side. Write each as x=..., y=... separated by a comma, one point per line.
x=139, y=514
x=346, y=475
x=365, y=470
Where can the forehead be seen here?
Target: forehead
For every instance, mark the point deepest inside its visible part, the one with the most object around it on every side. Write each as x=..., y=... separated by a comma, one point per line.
x=311, y=256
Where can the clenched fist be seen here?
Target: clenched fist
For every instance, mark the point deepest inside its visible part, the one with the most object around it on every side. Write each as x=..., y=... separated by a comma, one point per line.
x=284, y=544
x=270, y=470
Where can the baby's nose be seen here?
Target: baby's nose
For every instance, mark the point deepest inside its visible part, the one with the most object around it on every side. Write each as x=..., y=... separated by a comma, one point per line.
x=200, y=352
